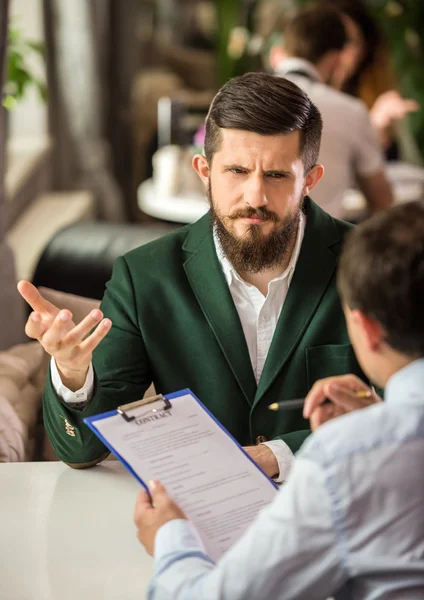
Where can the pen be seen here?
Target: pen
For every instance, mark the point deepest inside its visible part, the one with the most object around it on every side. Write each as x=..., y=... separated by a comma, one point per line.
x=299, y=402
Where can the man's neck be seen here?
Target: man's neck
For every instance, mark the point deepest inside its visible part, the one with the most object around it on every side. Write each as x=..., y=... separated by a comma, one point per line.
x=294, y=63
x=322, y=68
x=392, y=361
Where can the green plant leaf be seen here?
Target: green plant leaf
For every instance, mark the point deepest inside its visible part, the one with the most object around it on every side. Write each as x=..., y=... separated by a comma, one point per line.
x=9, y=102
x=19, y=74
x=14, y=35
x=38, y=47
x=42, y=89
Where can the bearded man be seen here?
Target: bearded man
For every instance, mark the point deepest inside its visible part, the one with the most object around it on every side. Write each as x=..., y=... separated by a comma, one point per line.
x=241, y=306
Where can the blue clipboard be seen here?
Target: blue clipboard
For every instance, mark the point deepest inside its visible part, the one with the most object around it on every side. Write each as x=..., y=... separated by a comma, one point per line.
x=167, y=399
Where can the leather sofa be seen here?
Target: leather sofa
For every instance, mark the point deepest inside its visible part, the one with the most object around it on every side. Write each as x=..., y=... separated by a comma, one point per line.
x=79, y=258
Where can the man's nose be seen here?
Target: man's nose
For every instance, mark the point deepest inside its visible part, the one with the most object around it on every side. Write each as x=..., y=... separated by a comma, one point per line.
x=254, y=194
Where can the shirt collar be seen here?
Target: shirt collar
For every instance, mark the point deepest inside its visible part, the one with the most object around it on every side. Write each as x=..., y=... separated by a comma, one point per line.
x=231, y=274
x=297, y=64
x=407, y=385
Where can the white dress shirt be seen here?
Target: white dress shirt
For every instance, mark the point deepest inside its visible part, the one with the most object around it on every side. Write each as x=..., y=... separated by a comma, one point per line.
x=349, y=144
x=349, y=522
x=258, y=316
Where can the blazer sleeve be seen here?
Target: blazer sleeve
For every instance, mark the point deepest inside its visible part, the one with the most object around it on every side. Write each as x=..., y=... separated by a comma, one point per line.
x=122, y=374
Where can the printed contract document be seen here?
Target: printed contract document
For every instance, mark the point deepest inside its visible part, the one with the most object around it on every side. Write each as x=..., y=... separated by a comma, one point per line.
x=176, y=439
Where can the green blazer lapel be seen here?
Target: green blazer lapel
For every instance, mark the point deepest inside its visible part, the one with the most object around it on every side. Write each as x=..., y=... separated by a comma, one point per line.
x=209, y=285
x=314, y=269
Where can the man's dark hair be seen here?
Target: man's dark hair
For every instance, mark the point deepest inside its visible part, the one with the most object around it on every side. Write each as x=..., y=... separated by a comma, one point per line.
x=381, y=273
x=314, y=32
x=267, y=105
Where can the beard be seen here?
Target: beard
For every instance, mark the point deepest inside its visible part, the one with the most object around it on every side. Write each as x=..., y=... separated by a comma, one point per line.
x=255, y=251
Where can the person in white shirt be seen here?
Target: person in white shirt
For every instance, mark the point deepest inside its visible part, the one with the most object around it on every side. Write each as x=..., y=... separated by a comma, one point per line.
x=350, y=150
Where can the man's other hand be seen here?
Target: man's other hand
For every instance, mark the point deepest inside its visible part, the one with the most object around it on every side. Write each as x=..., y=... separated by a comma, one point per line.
x=151, y=513
x=265, y=458
x=346, y=392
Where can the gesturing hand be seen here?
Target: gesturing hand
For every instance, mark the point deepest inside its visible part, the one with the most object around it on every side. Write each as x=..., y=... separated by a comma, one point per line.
x=71, y=345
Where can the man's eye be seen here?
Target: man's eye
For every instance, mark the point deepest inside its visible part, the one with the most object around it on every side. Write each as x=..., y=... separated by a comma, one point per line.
x=237, y=171
x=276, y=175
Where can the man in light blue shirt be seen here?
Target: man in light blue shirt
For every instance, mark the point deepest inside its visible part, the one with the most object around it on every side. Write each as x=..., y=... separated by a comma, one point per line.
x=349, y=522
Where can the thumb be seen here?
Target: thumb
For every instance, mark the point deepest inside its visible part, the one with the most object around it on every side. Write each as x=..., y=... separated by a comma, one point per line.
x=158, y=492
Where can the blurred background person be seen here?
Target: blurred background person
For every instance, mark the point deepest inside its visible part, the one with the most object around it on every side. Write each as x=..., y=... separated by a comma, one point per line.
x=366, y=71
x=315, y=41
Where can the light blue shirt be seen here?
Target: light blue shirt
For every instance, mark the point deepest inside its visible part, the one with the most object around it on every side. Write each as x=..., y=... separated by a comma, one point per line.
x=348, y=523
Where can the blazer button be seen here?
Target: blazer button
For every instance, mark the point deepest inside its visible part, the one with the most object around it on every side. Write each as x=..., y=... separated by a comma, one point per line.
x=260, y=439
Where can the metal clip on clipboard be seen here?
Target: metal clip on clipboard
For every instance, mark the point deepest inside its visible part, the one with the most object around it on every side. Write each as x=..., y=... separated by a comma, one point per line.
x=125, y=408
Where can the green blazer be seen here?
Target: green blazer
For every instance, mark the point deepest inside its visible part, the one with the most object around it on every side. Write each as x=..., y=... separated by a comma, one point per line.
x=175, y=324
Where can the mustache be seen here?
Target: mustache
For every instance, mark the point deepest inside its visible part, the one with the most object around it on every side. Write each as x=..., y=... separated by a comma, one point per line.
x=259, y=213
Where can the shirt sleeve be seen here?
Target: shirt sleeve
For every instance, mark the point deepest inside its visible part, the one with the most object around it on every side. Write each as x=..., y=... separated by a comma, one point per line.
x=368, y=154
x=284, y=457
x=292, y=550
x=83, y=395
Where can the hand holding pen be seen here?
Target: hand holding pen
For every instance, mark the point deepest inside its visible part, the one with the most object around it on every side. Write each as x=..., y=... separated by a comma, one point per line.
x=332, y=397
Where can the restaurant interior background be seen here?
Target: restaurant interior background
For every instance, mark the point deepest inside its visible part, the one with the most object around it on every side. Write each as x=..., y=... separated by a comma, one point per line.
x=103, y=106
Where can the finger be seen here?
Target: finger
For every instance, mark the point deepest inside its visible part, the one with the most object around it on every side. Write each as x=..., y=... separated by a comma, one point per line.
x=322, y=414
x=80, y=331
x=375, y=396
x=317, y=394
x=144, y=498
x=57, y=331
x=143, y=503
x=163, y=503
x=158, y=493
x=348, y=399
x=30, y=294
x=314, y=398
x=93, y=340
x=399, y=112
x=34, y=327
x=410, y=106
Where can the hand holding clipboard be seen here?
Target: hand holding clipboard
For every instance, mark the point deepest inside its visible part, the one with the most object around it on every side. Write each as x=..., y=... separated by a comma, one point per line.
x=175, y=439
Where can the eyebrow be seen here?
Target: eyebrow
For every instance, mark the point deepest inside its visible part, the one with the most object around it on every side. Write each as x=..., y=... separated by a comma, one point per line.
x=267, y=172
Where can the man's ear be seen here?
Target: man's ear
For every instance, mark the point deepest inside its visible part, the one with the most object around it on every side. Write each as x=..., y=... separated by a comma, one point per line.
x=201, y=166
x=312, y=178
x=372, y=331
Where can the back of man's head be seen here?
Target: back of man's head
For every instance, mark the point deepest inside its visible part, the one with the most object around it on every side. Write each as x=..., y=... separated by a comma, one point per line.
x=266, y=105
x=313, y=33
x=381, y=273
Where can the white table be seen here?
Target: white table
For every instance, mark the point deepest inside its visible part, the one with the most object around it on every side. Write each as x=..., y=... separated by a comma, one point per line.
x=179, y=209
x=68, y=534
x=408, y=185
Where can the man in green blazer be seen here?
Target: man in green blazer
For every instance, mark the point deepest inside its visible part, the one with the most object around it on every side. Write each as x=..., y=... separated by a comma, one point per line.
x=241, y=306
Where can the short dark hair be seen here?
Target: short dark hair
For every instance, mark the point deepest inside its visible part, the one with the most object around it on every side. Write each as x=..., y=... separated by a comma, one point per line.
x=313, y=32
x=381, y=273
x=268, y=105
